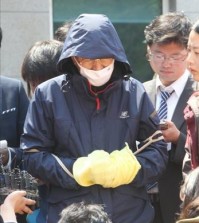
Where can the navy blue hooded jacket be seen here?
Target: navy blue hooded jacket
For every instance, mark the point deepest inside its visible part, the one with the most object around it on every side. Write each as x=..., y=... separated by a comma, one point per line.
x=69, y=118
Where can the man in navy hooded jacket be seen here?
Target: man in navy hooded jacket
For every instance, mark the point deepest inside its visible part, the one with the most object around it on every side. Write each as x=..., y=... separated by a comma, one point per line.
x=79, y=121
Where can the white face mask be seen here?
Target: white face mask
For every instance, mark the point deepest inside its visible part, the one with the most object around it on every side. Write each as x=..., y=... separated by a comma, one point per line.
x=97, y=77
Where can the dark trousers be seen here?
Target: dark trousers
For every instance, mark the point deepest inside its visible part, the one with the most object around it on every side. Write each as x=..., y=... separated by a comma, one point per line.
x=155, y=201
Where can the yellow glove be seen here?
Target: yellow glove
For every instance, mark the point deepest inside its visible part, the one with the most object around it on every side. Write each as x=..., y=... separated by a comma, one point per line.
x=108, y=170
x=126, y=167
x=82, y=166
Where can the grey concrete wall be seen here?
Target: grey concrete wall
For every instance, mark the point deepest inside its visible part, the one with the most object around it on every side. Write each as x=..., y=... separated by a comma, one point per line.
x=23, y=23
x=189, y=7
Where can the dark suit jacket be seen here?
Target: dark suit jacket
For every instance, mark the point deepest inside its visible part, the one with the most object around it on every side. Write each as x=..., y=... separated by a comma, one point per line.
x=169, y=183
x=13, y=108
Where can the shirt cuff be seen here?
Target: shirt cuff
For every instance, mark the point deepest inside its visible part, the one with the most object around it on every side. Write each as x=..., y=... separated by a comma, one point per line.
x=10, y=221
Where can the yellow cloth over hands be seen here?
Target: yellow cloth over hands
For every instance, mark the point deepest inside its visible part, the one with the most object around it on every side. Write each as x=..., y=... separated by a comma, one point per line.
x=109, y=170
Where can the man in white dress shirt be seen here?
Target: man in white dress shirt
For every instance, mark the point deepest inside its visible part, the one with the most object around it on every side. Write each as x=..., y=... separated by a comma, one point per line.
x=166, y=38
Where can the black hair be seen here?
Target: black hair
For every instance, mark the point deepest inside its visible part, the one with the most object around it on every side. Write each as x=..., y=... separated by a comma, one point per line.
x=167, y=28
x=196, y=27
x=61, y=32
x=40, y=63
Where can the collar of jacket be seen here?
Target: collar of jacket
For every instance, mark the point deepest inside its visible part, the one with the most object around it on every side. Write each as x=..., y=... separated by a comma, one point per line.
x=83, y=88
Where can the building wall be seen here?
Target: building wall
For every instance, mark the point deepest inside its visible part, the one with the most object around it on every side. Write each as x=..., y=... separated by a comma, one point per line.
x=190, y=8
x=23, y=23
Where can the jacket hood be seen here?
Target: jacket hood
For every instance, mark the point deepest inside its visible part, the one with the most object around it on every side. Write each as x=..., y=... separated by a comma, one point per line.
x=93, y=36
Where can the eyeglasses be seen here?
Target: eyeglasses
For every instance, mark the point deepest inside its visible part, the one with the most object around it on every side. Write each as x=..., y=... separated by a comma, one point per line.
x=159, y=57
x=89, y=63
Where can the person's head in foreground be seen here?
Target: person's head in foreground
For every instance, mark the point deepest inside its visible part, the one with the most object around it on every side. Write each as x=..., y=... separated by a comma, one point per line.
x=84, y=213
x=189, y=195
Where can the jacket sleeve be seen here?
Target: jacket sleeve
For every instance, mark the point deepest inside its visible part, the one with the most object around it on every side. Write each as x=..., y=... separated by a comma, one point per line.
x=39, y=136
x=16, y=157
x=154, y=158
x=14, y=96
x=23, y=103
x=45, y=167
x=178, y=151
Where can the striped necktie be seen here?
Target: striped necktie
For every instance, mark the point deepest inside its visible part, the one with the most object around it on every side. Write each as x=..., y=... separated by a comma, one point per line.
x=162, y=111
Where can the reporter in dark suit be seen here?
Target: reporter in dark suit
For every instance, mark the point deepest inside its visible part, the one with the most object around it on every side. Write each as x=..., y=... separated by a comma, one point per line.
x=13, y=107
x=166, y=37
